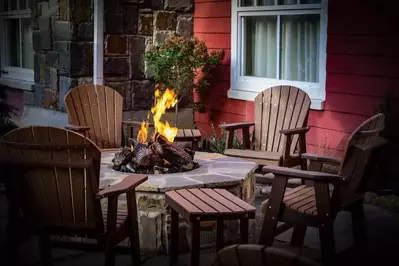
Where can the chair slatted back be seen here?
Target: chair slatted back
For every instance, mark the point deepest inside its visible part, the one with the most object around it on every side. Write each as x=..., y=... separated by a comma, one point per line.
x=355, y=161
x=60, y=177
x=100, y=108
x=276, y=108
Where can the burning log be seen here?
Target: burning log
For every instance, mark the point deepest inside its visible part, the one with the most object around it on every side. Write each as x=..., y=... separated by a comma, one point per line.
x=159, y=157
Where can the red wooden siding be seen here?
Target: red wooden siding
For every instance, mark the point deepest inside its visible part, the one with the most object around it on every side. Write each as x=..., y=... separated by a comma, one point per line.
x=362, y=66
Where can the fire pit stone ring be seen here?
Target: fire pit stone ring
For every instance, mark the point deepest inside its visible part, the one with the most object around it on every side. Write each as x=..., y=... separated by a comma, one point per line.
x=214, y=171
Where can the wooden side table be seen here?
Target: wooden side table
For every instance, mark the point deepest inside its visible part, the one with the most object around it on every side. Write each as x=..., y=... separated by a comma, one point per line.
x=189, y=135
x=197, y=205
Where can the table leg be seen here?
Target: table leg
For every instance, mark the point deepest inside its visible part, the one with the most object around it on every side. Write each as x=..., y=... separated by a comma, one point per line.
x=195, y=243
x=219, y=235
x=174, y=235
x=244, y=230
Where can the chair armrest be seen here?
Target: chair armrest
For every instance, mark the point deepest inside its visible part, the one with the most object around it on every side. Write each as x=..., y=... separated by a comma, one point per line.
x=233, y=126
x=309, y=175
x=321, y=158
x=135, y=123
x=80, y=129
x=127, y=184
x=293, y=131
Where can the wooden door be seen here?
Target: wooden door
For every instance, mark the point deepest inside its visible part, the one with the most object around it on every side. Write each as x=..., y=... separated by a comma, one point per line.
x=100, y=108
x=276, y=108
x=60, y=177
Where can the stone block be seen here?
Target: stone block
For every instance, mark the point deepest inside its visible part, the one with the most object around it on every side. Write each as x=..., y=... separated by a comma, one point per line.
x=44, y=23
x=114, y=23
x=141, y=95
x=64, y=30
x=39, y=66
x=80, y=10
x=122, y=87
x=64, y=85
x=116, y=66
x=150, y=230
x=130, y=19
x=113, y=6
x=179, y=5
x=52, y=59
x=165, y=20
x=85, y=31
x=38, y=90
x=50, y=99
x=116, y=45
x=64, y=54
x=148, y=71
x=185, y=26
x=136, y=50
x=82, y=81
x=52, y=78
x=81, y=59
x=64, y=10
x=146, y=26
x=54, y=8
x=161, y=36
x=29, y=98
x=153, y=4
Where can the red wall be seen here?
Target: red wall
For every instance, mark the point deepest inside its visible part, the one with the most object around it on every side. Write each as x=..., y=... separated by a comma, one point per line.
x=362, y=65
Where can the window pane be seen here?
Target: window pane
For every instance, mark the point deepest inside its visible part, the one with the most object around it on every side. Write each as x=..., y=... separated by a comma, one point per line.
x=287, y=2
x=300, y=37
x=310, y=1
x=13, y=45
x=260, y=46
x=22, y=4
x=27, y=46
x=247, y=2
x=5, y=5
x=266, y=2
x=14, y=4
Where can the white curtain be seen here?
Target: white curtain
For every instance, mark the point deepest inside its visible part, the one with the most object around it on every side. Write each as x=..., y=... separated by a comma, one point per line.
x=299, y=45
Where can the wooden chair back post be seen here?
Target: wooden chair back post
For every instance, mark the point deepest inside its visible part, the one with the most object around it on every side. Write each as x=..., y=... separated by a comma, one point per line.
x=276, y=108
x=100, y=108
x=60, y=178
x=360, y=145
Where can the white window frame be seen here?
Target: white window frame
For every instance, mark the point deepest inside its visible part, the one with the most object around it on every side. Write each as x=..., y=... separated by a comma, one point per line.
x=15, y=77
x=246, y=87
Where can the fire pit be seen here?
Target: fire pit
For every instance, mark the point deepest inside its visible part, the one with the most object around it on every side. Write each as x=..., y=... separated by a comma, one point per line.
x=160, y=155
x=214, y=171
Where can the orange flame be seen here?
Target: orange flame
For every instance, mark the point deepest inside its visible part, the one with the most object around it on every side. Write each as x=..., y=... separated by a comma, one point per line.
x=143, y=132
x=167, y=100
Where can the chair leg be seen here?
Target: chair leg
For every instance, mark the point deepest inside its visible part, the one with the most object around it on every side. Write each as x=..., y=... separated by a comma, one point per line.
x=359, y=228
x=45, y=249
x=195, y=243
x=219, y=234
x=109, y=253
x=174, y=241
x=12, y=237
x=298, y=235
x=134, y=228
x=244, y=224
x=327, y=244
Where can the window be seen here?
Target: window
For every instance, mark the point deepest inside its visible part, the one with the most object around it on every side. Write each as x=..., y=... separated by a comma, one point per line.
x=16, y=47
x=278, y=42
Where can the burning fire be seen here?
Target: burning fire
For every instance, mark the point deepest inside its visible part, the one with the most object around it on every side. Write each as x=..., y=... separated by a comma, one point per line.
x=164, y=101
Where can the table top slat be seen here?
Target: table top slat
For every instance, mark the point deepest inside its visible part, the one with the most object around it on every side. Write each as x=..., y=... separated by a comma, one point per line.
x=196, y=133
x=180, y=133
x=235, y=200
x=222, y=200
x=175, y=200
x=199, y=203
x=210, y=201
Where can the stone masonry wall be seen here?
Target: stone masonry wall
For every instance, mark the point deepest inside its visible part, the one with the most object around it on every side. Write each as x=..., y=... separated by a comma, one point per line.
x=63, y=45
x=131, y=27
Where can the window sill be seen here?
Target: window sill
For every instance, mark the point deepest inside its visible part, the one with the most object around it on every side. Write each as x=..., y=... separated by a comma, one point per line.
x=16, y=83
x=316, y=104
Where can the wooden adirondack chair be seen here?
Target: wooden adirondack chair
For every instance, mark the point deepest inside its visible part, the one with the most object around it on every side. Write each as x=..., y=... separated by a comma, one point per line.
x=257, y=255
x=317, y=203
x=96, y=111
x=53, y=178
x=281, y=114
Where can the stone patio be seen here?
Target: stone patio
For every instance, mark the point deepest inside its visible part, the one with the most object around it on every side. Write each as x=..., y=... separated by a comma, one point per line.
x=215, y=171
